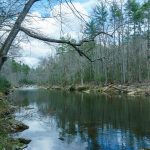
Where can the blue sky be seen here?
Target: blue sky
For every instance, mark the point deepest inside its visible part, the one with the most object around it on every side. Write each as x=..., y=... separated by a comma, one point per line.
x=41, y=5
x=35, y=50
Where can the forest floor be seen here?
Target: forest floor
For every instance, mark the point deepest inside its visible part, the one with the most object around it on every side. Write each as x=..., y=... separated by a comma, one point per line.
x=8, y=126
x=137, y=89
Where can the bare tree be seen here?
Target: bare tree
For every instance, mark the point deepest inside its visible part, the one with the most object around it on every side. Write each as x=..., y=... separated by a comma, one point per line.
x=17, y=27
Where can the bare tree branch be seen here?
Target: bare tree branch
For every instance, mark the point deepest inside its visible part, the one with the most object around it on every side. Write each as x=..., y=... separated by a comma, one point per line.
x=14, y=31
x=76, y=46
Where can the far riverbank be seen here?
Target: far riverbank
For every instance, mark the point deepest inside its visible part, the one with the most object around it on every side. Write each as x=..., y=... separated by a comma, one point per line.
x=138, y=89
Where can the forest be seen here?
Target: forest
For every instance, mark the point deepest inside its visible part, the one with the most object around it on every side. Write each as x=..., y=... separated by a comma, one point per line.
x=120, y=55
x=74, y=74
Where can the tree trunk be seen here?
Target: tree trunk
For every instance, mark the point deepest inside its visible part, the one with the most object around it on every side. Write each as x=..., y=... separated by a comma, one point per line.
x=81, y=72
x=14, y=31
x=148, y=47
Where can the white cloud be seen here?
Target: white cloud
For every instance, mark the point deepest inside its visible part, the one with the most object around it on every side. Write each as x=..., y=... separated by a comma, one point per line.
x=31, y=61
x=89, y=4
x=51, y=27
x=36, y=49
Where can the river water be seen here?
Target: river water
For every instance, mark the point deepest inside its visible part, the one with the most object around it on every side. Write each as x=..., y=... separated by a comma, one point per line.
x=76, y=121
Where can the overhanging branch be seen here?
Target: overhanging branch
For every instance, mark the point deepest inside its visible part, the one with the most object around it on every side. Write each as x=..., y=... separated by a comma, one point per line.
x=76, y=46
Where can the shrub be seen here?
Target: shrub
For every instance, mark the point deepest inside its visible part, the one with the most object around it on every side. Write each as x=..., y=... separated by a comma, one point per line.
x=4, y=85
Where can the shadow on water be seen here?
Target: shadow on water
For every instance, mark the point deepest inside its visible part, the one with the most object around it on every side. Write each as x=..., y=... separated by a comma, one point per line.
x=75, y=121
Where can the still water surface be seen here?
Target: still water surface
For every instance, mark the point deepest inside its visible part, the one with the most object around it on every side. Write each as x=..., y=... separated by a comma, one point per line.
x=76, y=121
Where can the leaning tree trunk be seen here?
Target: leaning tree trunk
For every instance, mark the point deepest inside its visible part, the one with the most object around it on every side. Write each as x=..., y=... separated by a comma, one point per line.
x=14, y=31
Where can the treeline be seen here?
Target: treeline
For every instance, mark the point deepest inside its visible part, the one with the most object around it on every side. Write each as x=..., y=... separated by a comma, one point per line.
x=16, y=73
x=123, y=58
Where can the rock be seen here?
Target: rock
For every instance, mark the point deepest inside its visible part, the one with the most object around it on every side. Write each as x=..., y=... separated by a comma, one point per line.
x=87, y=91
x=6, y=111
x=1, y=94
x=100, y=90
x=16, y=87
x=17, y=126
x=82, y=88
x=29, y=108
x=24, y=141
x=61, y=138
x=56, y=88
x=132, y=93
x=13, y=108
x=147, y=93
x=18, y=147
x=20, y=143
x=72, y=88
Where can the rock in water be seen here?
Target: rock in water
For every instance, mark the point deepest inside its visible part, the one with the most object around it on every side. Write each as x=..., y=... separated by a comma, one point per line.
x=24, y=141
x=72, y=88
x=61, y=138
x=18, y=126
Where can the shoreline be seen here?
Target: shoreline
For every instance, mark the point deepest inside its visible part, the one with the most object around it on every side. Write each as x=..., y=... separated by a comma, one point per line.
x=138, y=89
x=9, y=125
x=135, y=89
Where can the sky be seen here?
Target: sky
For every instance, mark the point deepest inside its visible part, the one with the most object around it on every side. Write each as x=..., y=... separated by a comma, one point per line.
x=34, y=50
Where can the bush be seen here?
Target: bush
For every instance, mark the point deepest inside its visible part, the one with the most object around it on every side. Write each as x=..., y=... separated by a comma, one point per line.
x=4, y=85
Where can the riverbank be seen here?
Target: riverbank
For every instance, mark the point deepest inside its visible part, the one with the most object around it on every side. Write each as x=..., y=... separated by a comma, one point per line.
x=137, y=89
x=8, y=126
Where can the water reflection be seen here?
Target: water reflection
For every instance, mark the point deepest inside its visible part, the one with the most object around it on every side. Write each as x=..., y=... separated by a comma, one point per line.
x=77, y=121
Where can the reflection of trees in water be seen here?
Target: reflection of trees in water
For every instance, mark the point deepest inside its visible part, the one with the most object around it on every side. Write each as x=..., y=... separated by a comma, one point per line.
x=85, y=114
x=91, y=116
x=22, y=97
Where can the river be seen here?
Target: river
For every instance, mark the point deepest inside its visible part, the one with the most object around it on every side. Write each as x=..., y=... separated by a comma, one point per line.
x=60, y=120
